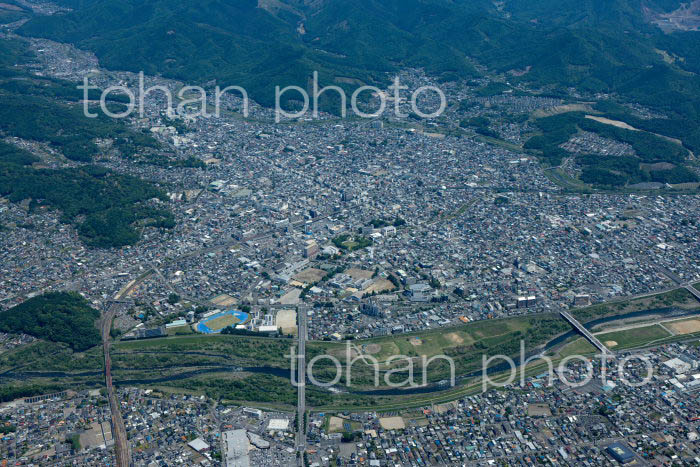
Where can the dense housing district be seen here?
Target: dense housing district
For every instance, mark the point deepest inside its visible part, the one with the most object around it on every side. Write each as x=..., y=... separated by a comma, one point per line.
x=332, y=231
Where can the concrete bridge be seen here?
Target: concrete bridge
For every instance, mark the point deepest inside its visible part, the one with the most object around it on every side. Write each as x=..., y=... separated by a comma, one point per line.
x=585, y=332
x=693, y=291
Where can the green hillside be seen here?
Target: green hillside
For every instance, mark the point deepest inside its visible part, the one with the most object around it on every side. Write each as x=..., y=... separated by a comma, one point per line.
x=58, y=317
x=655, y=159
x=105, y=207
x=594, y=45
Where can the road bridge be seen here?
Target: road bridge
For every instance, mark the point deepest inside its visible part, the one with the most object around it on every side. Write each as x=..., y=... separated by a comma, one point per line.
x=693, y=291
x=585, y=332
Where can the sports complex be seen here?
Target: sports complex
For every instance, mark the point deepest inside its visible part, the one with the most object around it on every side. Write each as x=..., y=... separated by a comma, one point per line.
x=216, y=323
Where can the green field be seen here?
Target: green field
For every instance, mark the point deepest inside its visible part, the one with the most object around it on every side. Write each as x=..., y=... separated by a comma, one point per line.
x=679, y=298
x=210, y=364
x=222, y=322
x=437, y=341
x=180, y=331
x=579, y=346
x=631, y=338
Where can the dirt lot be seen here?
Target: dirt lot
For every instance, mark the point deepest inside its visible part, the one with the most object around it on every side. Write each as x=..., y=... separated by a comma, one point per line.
x=291, y=297
x=392, y=423
x=684, y=327
x=310, y=275
x=223, y=300
x=287, y=320
x=379, y=286
x=539, y=410
x=455, y=338
x=356, y=273
x=335, y=425
x=616, y=123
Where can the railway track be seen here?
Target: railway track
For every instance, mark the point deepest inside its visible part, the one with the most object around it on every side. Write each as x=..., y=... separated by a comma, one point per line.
x=121, y=444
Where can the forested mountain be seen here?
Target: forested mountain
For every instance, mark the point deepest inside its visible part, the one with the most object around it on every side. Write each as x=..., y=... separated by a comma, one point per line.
x=284, y=40
x=104, y=206
x=56, y=316
x=610, y=46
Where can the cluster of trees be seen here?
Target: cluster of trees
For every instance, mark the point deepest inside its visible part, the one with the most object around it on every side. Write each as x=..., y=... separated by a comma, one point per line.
x=256, y=388
x=675, y=126
x=480, y=125
x=675, y=175
x=624, y=170
x=31, y=107
x=6, y=428
x=555, y=130
x=58, y=317
x=649, y=147
x=110, y=203
x=107, y=204
x=501, y=200
x=610, y=48
x=602, y=177
x=612, y=171
x=232, y=331
x=11, y=154
x=64, y=128
x=492, y=89
x=346, y=242
x=10, y=392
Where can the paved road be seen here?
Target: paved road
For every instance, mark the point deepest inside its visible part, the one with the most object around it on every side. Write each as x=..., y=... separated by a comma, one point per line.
x=301, y=388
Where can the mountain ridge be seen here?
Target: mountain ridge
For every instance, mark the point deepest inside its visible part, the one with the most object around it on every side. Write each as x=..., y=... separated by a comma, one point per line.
x=595, y=46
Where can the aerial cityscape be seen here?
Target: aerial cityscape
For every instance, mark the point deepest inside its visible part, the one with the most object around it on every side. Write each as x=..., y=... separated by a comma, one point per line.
x=478, y=245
